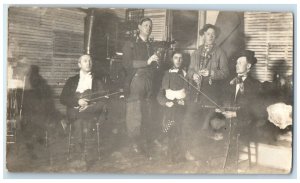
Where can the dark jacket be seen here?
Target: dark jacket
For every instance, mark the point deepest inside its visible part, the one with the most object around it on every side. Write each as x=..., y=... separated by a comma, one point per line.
x=171, y=81
x=70, y=99
x=136, y=52
x=250, y=101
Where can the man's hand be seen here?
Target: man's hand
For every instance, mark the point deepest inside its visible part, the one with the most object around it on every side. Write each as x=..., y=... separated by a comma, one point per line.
x=83, y=102
x=153, y=58
x=229, y=114
x=181, y=102
x=169, y=104
x=204, y=72
x=196, y=78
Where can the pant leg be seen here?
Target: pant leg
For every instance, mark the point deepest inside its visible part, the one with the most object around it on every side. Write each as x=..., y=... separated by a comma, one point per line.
x=190, y=121
x=133, y=108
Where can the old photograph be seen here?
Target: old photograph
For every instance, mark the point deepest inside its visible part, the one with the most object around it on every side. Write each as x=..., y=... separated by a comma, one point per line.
x=149, y=91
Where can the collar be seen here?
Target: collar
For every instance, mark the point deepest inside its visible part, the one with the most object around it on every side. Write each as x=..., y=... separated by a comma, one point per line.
x=208, y=46
x=174, y=70
x=139, y=39
x=243, y=76
x=177, y=70
x=82, y=74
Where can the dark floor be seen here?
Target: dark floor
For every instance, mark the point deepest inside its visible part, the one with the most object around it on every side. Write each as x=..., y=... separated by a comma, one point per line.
x=116, y=156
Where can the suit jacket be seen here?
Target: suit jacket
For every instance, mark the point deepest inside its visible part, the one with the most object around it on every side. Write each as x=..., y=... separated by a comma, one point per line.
x=250, y=101
x=70, y=100
x=218, y=63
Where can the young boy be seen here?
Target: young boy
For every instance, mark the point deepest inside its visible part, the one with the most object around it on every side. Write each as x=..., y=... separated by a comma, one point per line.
x=172, y=96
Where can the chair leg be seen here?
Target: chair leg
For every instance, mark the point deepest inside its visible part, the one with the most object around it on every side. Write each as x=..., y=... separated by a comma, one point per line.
x=98, y=140
x=237, y=152
x=84, y=155
x=69, y=142
x=249, y=154
x=46, y=139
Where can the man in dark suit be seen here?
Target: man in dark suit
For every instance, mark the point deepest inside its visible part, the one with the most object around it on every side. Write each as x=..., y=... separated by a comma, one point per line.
x=244, y=93
x=78, y=95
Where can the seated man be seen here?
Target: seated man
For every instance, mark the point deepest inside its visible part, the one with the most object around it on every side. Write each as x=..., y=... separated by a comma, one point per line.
x=79, y=94
x=244, y=91
x=244, y=94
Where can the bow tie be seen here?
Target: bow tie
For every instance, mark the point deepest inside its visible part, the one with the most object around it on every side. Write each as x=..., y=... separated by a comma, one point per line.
x=238, y=80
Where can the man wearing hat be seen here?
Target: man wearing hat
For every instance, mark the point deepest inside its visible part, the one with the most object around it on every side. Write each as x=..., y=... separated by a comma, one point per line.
x=138, y=60
x=244, y=90
x=244, y=93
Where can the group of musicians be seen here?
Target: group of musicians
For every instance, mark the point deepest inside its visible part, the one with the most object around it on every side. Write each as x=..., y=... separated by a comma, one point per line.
x=186, y=95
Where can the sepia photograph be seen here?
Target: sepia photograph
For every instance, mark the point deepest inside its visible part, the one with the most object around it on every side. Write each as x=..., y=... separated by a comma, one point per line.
x=149, y=91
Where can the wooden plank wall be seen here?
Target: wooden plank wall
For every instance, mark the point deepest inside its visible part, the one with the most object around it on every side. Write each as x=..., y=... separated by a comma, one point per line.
x=50, y=38
x=270, y=35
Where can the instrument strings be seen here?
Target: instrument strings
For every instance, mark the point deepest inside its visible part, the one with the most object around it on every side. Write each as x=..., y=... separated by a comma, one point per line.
x=105, y=96
x=88, y=94
x=211, y=100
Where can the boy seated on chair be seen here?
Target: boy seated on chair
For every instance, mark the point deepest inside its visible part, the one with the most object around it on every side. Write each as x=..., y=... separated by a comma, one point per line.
x=172, y=96
x=78, y=95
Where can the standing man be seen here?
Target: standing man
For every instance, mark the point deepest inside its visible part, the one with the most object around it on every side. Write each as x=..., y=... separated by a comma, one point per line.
x=138, y=60
x=208, y=70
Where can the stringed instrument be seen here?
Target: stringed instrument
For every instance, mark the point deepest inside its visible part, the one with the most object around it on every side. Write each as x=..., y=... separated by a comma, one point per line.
x=222, y=108
x=95, y=102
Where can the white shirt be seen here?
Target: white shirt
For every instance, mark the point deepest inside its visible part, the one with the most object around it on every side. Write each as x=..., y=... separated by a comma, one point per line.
x=85, y=82
x=237, y=88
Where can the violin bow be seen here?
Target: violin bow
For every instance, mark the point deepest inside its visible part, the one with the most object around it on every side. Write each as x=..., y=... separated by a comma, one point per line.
x=202, y=93
x=106, y=96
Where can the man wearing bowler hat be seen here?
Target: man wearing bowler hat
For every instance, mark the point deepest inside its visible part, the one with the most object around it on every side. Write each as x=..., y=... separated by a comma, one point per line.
x=244, y=93
x=244, y=90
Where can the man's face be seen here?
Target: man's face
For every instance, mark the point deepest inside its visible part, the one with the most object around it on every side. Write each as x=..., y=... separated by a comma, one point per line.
x=177, y=60
x=85, y=63
x=145, y=28
x=210, y=36
x=242, y=66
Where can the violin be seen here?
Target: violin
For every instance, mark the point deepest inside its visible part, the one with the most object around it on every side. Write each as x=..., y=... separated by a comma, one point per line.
x=221, y=109
x=95, y=102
